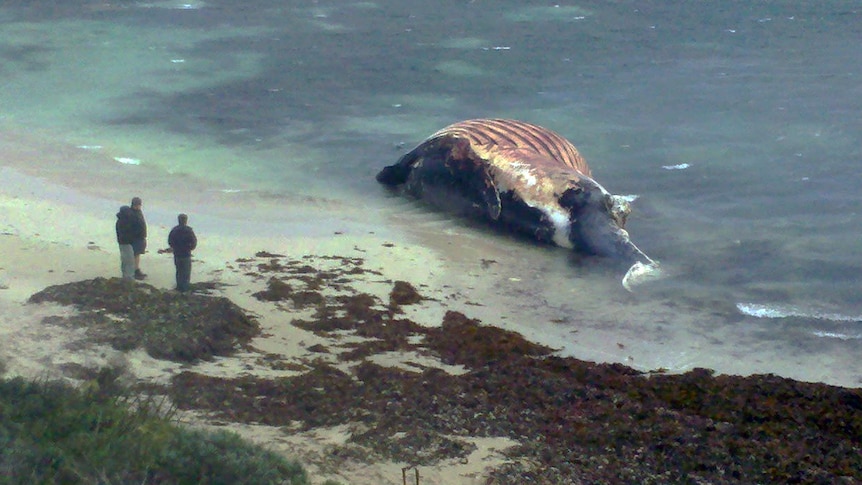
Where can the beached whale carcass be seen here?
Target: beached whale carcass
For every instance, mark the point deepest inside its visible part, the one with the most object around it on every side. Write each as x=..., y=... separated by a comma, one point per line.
x=521, y=177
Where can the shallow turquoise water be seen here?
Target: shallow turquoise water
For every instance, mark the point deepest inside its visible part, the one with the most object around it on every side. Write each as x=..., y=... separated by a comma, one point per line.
x=737, y=124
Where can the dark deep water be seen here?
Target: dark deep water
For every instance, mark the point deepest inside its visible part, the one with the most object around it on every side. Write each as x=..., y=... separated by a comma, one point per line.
x=736, y=123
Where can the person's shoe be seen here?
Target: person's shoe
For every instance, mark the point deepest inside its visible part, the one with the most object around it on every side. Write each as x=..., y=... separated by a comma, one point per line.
x=139, y=275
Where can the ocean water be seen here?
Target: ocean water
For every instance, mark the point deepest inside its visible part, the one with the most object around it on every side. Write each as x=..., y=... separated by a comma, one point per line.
x=737, y=125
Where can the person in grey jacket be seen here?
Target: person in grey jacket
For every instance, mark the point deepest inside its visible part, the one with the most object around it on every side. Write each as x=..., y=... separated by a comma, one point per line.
x=183, y=241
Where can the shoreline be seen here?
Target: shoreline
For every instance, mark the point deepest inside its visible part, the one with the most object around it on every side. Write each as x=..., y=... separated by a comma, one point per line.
x=53, y=248
x=365, y=392
x=463, y=271
x=54, y=233
x=36, y=259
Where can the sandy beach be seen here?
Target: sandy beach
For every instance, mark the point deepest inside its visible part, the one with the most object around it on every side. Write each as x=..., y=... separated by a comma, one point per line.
x=58, y=228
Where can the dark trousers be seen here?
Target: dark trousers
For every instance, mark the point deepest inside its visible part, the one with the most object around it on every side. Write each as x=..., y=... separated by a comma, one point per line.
x=184, y=272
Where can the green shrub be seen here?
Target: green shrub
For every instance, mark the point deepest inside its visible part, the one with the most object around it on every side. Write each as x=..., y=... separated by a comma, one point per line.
x=53, y=433
x=223, y=457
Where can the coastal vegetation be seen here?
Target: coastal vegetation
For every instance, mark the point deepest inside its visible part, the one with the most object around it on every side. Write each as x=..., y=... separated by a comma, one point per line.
x=51, y=432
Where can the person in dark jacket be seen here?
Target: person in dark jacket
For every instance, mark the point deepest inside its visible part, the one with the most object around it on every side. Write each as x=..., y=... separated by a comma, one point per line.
x=139, y=236
x=183, y=241
x=125, y=234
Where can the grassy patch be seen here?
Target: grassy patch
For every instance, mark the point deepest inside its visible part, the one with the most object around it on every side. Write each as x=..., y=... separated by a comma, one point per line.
x=53, y=433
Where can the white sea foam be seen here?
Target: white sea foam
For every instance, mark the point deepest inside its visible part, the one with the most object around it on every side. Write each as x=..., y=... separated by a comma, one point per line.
x=681, y=166
x=90, y=147
x=837, y=335
x=128, y=161
x=777, y=311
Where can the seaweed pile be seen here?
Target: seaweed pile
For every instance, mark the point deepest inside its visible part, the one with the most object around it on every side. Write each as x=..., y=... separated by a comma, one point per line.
x=168, y=325
x=574, y=421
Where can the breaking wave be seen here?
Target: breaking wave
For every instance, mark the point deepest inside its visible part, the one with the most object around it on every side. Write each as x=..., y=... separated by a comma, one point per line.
x=778, y=311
